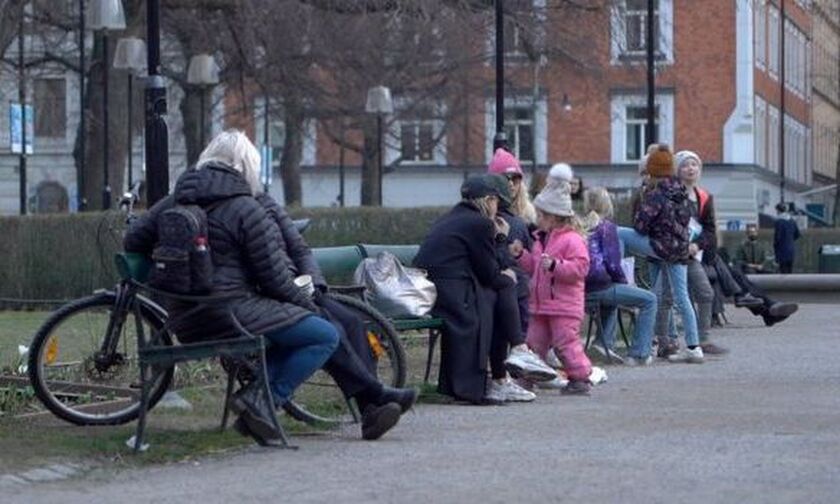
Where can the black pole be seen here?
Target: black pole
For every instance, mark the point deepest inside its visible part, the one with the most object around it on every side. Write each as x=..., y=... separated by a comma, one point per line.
x=380, y=169
x=500, y=139
x=157, y=137
x=341, y=168
x=650, y=126
x=22, y=99
x=80, y=176
x=782, y=103
x=106, y=65
x=130, y=136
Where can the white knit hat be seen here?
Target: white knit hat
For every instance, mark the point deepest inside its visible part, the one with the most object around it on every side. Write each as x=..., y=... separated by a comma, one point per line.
x=683, y=156
x=555, y=198
x=561, y=171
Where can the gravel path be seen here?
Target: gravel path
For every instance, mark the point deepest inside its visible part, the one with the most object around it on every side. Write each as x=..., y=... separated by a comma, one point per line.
x=760, y=425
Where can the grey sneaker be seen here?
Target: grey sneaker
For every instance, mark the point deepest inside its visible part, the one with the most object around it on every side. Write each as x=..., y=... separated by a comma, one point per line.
x=631, y=361
x=555, y=384
x=523, y=363
x=688, y=355
x=576, y=387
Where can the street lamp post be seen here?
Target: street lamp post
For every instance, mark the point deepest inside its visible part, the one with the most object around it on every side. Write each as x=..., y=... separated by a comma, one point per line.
x=156, y=130
x=80, y=176
x=105, y=15
x=379, y=102
x=500, y=139
x=203, y=73
x=130, y=56
x=650, y=127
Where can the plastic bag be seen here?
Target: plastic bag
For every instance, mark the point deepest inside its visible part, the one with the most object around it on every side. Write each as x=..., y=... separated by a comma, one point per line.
x=395, y=290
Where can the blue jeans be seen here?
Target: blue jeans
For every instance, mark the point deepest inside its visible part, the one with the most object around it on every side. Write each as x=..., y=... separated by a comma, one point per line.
x=296, y=352
x=635, y=242
x=677, y=277
x=626, y=295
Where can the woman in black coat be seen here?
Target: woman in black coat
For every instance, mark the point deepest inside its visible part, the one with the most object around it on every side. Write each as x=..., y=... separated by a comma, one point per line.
x=243, y=241
x=461, y=257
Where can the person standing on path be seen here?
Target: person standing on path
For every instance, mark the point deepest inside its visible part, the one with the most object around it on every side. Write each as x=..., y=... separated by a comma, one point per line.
x=784, y=238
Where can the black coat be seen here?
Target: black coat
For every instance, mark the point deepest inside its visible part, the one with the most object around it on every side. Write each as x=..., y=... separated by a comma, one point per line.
x=459, y=254
x=243, y=242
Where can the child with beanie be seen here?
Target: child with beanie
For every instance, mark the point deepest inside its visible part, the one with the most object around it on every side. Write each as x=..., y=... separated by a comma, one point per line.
x=558, y=264
x=661, y=231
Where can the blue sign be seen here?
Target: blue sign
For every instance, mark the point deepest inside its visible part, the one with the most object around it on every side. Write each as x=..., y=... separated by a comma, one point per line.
x=16, y=120
x=266, y=174
x=733, y=225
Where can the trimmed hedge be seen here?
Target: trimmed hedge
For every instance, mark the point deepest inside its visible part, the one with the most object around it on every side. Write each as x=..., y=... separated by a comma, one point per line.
x=67, y=256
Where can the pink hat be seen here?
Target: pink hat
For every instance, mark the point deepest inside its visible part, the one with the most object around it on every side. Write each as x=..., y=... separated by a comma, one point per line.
x=504, y=162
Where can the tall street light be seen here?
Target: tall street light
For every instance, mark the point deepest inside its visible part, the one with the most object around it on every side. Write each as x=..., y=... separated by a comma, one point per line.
x=80, y=176
x=379, y=102
x=650, y=127
x=500, y=139
x=156, y=130
x=105, y=15
x=130, y=56
x=204, y=74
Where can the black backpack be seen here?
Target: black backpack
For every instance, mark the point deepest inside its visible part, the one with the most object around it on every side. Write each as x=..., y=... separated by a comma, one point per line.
x=181, y=258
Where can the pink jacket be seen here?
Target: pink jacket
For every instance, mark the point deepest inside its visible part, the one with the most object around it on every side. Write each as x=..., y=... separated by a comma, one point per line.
x=561, y=291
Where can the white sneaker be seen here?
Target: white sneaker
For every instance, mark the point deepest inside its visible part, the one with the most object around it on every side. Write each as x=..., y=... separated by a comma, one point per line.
x=638, y=361
x=598, y=375
x=509, y=391
x=552, y=360
x=689, y=355
x=600, y=350
x=558, y=383
x=523, y=363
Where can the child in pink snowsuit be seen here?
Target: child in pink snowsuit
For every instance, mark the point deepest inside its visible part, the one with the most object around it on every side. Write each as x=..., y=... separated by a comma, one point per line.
x=558, y=264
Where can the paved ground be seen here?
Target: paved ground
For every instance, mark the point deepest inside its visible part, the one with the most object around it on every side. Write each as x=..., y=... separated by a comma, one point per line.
x=761, y=425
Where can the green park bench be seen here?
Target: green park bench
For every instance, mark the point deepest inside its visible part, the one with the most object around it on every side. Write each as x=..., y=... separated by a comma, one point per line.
x=341, y=262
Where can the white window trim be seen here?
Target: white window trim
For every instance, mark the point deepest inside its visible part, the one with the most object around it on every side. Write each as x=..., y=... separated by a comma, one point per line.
x=393, y=140
x=761, y=32
x=761, y=132
x=773, y=42
x=540, y=125
x=618, y=53
x=618, y=114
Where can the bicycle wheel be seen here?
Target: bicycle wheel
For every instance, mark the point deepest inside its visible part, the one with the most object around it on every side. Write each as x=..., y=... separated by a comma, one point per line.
x=79, y=383
x=320, y=402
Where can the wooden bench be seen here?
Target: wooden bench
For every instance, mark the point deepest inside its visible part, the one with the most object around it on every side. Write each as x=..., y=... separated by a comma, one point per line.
x=341, y=262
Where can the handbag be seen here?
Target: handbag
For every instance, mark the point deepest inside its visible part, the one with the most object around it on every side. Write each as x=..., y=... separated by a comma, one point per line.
x=395, y=290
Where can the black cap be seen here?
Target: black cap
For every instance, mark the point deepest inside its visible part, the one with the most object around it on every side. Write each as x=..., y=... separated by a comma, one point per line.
x=500, y=182
x=478, y=186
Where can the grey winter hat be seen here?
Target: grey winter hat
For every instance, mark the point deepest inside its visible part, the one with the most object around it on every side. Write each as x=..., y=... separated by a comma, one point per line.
x=555, y=199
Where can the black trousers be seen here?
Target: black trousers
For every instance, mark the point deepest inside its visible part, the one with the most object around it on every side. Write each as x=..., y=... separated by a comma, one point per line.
x=352, y=365
x=786, y=267
x=507, y=330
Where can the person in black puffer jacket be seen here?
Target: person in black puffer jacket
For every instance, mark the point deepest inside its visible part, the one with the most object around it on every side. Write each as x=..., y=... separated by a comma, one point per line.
x=243, y=241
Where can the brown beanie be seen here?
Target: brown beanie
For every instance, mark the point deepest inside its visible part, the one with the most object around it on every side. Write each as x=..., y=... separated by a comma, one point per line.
x=660, y=162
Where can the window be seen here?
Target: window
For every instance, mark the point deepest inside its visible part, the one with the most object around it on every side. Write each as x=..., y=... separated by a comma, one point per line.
x=50, y=108
x=417, y=141
x=773, y=30
x=761, y=34
x=519, y=127
x=773, y=138
x=629, y=117
x=629, y=30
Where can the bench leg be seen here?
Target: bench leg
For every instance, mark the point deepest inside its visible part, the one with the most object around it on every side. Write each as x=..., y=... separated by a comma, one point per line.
x=592, y=317
x=229, y=396
x=603, y=337
x=434, y=334
x=144, y=406
x=284, y=439
x=623, y=330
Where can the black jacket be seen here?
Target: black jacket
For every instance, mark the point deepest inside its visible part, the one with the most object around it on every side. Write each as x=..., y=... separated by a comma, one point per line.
x=246, y=259
x=460, y=257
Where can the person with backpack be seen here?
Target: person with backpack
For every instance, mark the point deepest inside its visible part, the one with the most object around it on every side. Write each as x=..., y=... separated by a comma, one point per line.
x=231, y=247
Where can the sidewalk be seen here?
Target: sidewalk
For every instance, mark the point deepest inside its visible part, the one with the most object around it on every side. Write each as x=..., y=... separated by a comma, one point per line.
x=760, y=425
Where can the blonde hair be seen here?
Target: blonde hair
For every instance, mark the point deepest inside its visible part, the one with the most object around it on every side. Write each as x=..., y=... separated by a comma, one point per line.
x=482, y=204
x=598, y=200
x=521, y=205
x=572, y=221
x=234, y=149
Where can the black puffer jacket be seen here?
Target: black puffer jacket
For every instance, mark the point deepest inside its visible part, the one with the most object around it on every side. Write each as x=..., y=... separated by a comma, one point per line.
x=246, y=259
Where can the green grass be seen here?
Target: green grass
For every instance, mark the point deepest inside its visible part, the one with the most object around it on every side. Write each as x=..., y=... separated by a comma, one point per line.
x=17, y=328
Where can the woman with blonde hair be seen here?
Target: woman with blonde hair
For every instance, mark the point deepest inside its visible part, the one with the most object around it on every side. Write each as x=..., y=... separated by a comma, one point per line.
x=243, y=240
x=607, y=284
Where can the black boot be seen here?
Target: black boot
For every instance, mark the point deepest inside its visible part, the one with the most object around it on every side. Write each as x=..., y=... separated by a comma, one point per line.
x=405, y=397
x=377, y=420
x=254, y=411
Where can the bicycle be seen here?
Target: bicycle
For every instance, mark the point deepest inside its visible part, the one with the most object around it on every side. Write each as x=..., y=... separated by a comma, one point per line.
x=83, y=362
